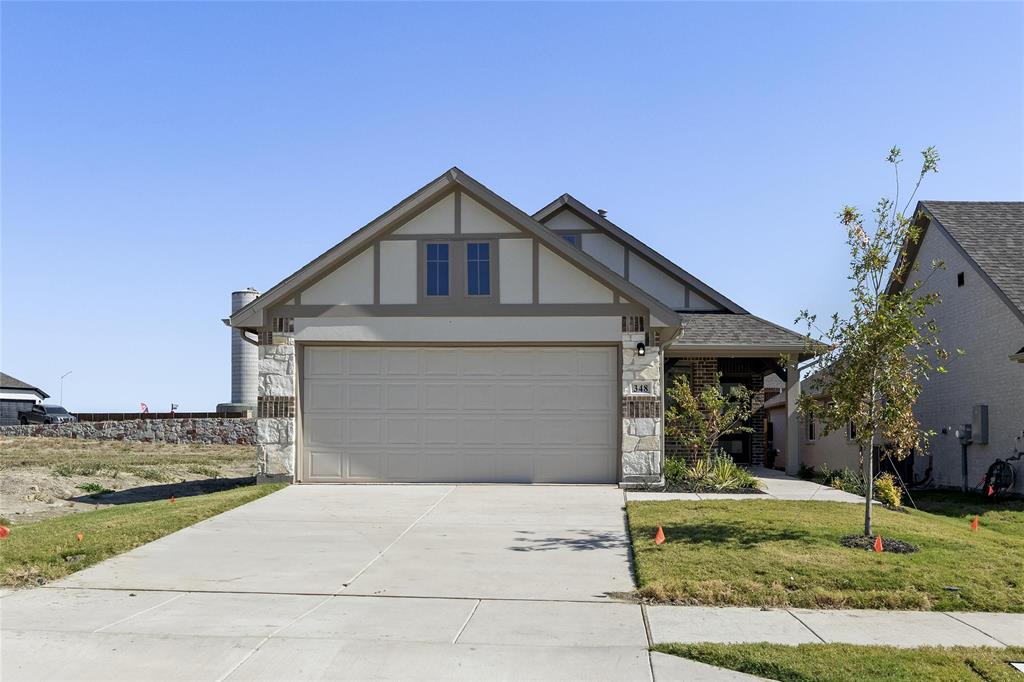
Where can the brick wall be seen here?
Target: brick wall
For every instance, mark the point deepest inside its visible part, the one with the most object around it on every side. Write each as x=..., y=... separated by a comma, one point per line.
x=703, y=371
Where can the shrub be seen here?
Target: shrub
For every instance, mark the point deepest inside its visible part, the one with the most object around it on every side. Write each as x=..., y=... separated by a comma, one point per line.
x=675, y=470
x=805, y=472
x=887, y=491
x=710, y=474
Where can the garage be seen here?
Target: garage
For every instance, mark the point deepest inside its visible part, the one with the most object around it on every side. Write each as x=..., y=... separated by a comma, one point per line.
x=517, y=414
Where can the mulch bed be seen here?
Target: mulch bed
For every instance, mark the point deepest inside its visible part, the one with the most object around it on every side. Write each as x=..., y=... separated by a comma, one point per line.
x=888, y=544
x=731, y=491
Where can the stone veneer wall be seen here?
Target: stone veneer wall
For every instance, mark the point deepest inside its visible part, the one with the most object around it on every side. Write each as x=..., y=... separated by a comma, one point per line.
x=275, y=407
x=641, y=415
x=230, y=431
x=703, y=371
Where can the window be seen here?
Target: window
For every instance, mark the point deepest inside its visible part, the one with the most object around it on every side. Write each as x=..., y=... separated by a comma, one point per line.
x=852, y=431
x=810, y=427
x=437, y=269
x=478, y=269
x=959, y=279
x=573, y=239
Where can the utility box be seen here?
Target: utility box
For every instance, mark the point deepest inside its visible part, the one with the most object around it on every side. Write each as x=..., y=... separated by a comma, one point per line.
x=979, y=424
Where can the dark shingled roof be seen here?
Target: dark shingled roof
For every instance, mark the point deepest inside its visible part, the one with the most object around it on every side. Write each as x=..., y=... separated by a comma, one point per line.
x=7, y=381
x=992, y=234
x=728, y=329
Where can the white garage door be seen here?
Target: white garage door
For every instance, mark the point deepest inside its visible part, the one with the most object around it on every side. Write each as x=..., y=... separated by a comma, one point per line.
x=460, y=414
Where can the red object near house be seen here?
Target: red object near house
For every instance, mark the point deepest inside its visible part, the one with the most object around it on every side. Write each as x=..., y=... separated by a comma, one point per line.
x=659, y=537
x=878, y=543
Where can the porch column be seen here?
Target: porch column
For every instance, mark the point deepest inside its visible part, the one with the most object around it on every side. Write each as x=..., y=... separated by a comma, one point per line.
x=792, y=417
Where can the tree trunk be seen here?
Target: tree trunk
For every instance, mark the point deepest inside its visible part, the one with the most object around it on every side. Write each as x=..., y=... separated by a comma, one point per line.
x=869, y=482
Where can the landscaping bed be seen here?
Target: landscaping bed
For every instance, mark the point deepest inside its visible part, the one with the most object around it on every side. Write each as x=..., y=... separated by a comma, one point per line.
x=46, y=477
x=780, y=553
x=36, y=553
x=843, y=662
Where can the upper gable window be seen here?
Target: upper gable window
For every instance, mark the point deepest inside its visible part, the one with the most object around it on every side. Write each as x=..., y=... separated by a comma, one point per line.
x=573, y=239
x=437, y=269
x=478, y=269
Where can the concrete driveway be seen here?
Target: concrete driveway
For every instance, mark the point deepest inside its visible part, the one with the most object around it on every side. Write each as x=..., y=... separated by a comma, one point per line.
x=356, y=582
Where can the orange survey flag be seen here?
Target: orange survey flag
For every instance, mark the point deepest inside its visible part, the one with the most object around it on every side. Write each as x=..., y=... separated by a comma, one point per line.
x=659, y=537
x=878, y=543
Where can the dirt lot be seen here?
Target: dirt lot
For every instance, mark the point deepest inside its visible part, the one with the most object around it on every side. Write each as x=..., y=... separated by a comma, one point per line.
x=46, y=477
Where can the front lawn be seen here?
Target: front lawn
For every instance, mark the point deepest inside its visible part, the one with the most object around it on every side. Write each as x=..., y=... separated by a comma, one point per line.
x=35, y=553
x=787, y=553
x=842, y=662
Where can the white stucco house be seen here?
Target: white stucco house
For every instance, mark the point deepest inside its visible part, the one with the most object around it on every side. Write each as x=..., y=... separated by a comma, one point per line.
x=982, y=312
x=459, y=338
x=15, y=396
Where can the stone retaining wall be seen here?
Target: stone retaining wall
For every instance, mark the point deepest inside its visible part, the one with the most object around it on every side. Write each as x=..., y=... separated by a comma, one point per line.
x=221, y=430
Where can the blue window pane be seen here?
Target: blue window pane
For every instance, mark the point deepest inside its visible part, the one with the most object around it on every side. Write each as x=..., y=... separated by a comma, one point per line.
x=572, y=239
x=437, y=269
x=478, y=269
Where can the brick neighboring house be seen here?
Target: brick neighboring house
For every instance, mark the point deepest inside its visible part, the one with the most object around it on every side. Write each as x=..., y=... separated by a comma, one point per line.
x=16, y=396
x=982, y=312
x=458, y=338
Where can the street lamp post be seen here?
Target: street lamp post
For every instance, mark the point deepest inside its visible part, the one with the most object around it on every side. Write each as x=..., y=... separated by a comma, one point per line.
x=62, y=385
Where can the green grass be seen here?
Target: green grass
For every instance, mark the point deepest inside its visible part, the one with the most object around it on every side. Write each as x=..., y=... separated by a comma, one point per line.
x=781, y=553
x=94, y=488
x=842, y=662
x=47, y=550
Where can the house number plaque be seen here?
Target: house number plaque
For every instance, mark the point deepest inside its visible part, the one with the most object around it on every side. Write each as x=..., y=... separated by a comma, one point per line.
x=640, y=388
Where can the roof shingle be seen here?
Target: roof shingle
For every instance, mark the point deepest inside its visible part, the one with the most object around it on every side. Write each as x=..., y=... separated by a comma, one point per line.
x=992, y=234
x=725, y=329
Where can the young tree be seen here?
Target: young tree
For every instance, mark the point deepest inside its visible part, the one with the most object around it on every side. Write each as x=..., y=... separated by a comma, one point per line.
x=699, y=421
x=874, y=360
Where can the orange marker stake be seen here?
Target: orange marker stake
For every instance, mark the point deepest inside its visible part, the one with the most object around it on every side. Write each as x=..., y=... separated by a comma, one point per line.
x=172, y=499
x=4, y=532
x=974, y=524
x=80, y=536
x=878, y=543
x=659, y=537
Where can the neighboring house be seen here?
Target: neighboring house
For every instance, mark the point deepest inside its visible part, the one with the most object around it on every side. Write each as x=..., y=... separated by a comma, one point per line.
x=837, y=449
x=982, y=312
x=15, y=396
x=457, y=338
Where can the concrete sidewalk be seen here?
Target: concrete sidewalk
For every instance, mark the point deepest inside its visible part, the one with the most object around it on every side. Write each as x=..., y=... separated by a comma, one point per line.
x=775, y=485
x=692, y=624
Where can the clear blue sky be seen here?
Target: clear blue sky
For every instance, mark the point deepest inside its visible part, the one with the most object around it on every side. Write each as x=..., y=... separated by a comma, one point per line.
x=157, y=156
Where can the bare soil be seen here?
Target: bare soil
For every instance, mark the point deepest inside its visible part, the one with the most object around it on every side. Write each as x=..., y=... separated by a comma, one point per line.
x=46, y=477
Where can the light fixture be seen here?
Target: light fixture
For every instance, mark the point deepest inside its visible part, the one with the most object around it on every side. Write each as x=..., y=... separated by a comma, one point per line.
x=641, y=349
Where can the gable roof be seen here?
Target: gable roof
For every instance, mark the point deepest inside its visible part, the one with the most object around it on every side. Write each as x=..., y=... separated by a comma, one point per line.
x=251, y=315
x=725, y=331
x=989, y=234
x=7, y=381
x=568, y=202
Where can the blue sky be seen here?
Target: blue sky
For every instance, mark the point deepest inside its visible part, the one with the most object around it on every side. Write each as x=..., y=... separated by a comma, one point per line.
x=157, y=156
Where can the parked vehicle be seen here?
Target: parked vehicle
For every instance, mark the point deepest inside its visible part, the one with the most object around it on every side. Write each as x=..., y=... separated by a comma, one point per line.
x=46, y=414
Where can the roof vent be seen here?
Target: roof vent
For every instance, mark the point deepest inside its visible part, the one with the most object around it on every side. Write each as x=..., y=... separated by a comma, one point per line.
x=603, y=213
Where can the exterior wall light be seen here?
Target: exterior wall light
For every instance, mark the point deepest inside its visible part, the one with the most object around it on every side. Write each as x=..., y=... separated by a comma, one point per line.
x=641, y=349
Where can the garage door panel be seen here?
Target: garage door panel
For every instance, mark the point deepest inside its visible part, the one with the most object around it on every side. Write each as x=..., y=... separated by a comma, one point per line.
x=363, y=361
x=439, y=430
x=460, y=414
x=323, y=362
x=401, y=396
x=477, y=431
x=324, y=464
x=440, y=362
x=515, y=397
x=364, y=430
x=401, y=362
x=323, y=430
x=402, y=430
x=479, y=396
x=438, y=397
x=363, y=396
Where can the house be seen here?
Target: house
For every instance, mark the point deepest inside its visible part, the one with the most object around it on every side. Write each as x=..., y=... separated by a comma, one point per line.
x=836, y=450
x=982, y=313
x=458, y=338
x=15, y=396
